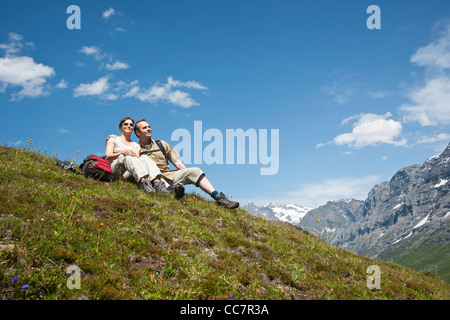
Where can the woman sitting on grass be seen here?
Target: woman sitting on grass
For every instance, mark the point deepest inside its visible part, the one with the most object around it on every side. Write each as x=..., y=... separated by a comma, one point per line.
x=124, y=155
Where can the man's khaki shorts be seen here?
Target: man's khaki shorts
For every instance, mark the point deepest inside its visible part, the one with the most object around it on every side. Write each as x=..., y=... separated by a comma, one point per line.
x=187, y=176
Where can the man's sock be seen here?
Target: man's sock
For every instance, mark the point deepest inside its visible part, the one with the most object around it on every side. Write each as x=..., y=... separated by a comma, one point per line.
x=214, y=194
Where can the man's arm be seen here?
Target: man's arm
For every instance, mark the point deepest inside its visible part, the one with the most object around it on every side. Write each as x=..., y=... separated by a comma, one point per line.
x=179, y=165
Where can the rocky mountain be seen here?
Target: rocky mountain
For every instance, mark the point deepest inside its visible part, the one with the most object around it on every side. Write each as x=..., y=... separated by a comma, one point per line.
x=406, y=219
x=323, y=221
x=328, y=219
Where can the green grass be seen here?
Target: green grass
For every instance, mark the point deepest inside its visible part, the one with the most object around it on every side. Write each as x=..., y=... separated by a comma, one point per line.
x=429, y=258
x=131, y=245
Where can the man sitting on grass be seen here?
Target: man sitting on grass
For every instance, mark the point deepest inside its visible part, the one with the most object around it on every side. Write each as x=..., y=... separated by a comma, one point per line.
x=183, y=175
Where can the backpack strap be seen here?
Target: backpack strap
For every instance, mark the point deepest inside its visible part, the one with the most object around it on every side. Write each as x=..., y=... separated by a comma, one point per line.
x=161, y=148
x=158, y=142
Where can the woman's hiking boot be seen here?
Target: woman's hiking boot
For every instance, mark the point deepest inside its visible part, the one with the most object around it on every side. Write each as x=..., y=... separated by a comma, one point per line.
x=146, y=185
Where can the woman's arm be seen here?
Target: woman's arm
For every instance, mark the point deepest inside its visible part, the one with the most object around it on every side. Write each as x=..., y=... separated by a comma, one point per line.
x=110, y=155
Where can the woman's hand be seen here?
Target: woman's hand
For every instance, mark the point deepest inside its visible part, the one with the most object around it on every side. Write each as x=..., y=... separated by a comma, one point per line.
x=127, y=152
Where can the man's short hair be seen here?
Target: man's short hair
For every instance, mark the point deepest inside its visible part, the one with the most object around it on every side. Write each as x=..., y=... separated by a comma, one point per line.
x=136, y=127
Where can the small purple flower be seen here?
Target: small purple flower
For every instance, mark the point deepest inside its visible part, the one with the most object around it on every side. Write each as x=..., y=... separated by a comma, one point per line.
x=231, y=296
x=25, y=287
x=14, y=277
x=84, y=248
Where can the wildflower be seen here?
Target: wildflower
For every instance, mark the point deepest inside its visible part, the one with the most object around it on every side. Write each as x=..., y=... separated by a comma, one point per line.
x=84, y=248
x=101, y=224
x=317, y=220
x=231, y=296
x=25, y=287
x=14, y=277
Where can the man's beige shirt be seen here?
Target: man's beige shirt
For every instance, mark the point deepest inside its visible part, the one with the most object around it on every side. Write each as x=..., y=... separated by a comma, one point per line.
x=154, y=153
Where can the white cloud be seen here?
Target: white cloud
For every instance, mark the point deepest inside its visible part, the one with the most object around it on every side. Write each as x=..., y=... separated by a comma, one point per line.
x=62, y=84
x=15, y=44
x=108, y=13
x=110, y=96
x=63, y=131
x=93, y=51
x=99, y=55
x=95, y=88
x=370, y=129
x=436, y=138
x=117, y=66
x=22, y=71
x=341, y=95
x=25, y=73
x=166, y=93
x=188, y=84
x=316, y=194
x=430, y=103
x=342, y=89
x=436, y=54
x=377, y=94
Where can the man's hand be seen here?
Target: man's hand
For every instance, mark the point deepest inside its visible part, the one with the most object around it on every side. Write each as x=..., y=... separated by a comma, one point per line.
x=111, y=136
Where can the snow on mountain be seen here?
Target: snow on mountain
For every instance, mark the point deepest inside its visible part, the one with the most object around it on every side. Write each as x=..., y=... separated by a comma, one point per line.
x=291, y=213
x=414, y=205
x=324, y=219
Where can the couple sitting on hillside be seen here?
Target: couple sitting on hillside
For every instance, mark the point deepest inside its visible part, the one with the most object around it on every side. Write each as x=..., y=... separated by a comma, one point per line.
x=147, y=163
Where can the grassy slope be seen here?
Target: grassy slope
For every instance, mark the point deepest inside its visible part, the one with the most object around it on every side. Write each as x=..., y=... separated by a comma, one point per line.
x=130, y=245
x=424, y=257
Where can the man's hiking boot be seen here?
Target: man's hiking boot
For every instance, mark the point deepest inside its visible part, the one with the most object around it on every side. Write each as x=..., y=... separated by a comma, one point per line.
x=147, y=186
x=160, y=187
x=222, y=200
x=178, y=190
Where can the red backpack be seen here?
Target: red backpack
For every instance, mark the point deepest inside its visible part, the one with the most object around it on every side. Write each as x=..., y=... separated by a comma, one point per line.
x=96, y=167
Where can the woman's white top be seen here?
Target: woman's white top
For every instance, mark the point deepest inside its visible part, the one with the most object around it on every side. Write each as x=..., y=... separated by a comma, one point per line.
x=119, y=146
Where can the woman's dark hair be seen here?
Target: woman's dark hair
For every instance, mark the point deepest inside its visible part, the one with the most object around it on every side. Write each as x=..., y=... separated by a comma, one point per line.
x=123, y=120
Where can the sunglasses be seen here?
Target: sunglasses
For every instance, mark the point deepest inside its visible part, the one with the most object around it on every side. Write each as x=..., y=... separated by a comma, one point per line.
x=130, y=124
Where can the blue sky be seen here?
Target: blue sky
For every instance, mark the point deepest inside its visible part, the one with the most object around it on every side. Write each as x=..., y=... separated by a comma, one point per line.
x=352, y=105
